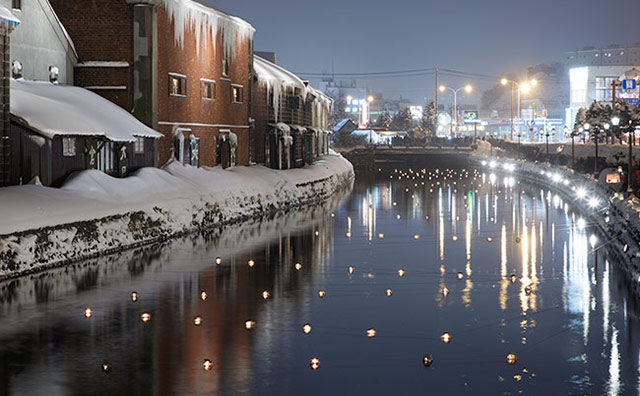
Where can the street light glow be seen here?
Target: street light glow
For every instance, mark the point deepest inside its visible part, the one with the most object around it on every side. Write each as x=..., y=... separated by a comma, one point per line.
x=442, y=88
x=615, y=121
x=468, y=88
x=370, y=99
x=504, y=81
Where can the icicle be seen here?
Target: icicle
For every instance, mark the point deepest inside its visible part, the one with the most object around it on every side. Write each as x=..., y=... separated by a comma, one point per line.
x=206, y=23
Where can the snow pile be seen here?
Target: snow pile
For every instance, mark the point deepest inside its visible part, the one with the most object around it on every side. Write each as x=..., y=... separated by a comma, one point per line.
x=94, y=213
x=277, y=80
x=53, y=109
x=206, y=21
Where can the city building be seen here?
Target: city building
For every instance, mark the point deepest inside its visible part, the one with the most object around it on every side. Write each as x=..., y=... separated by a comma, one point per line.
x=181, y=67
x=592, y=74
x=8, y=23
x=291, y=118
x=41, y=42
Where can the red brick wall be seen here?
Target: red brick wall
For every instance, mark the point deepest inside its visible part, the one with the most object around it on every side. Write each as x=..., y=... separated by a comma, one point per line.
x=193, y=109
x=102, y=30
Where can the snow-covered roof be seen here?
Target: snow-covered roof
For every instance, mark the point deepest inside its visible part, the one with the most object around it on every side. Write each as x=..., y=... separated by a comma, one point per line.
x=341, y=124
x=7, y=18
x=54, y=110
x=274, y=74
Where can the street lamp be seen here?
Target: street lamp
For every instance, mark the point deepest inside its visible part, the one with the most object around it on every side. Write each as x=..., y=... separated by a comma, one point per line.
x=596, y=131
x=615, y=121
x=369, y=101
x=524, y=87
x=467, y=88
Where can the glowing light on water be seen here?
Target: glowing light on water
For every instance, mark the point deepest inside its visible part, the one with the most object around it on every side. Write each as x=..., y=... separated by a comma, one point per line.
x=134, y=296
x=203, y=295
x=265, y=294
x=446, y=337
x=298, y=266
x=106, y=367
x=371, y=333
x=218, y=260
x=306, y=328
x=251, y=263
x=351, y=269
x=88, y=312
x=145, y=317
x=389, y=292
x=314, y=363
x=197, y=320
x=249, y=324
x=427, y=360
x=511, y=359
x=460, y=275
x=401, y=272
x=322, y=293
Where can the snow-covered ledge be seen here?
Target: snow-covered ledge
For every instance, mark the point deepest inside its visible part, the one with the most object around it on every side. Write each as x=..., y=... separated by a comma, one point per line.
x=94, y=214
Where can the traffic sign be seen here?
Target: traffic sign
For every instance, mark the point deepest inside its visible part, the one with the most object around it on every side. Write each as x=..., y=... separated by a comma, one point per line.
x=629, y=85
x=532, y=122
x=632, y=101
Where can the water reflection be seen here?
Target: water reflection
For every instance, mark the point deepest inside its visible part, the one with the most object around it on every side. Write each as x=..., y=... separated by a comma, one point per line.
x=343, y=267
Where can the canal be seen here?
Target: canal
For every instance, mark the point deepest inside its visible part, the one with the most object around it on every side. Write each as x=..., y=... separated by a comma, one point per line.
x=438, y=281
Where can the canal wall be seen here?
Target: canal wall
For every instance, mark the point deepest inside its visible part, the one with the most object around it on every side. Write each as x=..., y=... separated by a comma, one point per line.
x=94, y=214
x=616, y=219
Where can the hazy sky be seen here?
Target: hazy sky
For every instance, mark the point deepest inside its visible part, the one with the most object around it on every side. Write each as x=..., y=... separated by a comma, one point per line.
x=479, y=36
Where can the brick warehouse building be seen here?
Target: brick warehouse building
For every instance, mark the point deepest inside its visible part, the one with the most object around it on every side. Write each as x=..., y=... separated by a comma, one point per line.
x=182, y=67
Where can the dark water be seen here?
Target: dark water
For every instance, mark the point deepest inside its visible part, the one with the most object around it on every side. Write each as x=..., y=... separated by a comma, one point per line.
x=567, y=315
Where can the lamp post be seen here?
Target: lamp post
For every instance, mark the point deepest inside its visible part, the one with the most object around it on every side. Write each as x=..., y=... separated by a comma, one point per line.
x=467, y=88
x=616, y=122
x=573, y=147
x=546, y=135
x=522, y=87
x=369, y=101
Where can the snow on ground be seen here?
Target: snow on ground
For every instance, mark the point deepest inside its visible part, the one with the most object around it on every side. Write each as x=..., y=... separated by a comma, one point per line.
x=94, y=213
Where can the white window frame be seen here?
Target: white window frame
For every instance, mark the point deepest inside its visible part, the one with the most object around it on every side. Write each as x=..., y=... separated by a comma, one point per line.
x=139, y=145
x=233, y=99
x=68, y=146
x=203, y=82
x=179, y=77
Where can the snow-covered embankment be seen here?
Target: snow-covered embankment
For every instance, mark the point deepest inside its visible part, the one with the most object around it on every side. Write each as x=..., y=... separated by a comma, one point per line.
x=95, y=214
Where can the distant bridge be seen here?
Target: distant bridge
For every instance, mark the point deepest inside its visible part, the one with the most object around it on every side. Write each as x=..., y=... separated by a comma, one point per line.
x=384, y=157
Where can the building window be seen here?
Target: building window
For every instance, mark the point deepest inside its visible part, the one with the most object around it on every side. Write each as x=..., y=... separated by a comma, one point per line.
x=177, y=84
x=16, y=4
x=139, y=145
x=604, y=89
x=69, y=146
x=236, y=94
x=208, y=89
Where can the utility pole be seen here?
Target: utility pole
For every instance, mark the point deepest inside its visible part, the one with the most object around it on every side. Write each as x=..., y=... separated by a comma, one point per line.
x=511, y=124
x=436, y=101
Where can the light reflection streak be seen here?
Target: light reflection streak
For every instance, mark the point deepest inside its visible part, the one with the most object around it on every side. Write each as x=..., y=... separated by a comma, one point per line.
x=504, y=283
x=441, y=223
x=605, y=302
x=524, y=280
x=614, y=387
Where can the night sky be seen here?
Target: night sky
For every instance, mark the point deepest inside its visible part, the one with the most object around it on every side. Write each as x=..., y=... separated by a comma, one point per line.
x=494, y=38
